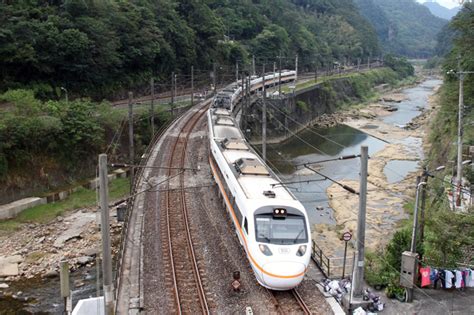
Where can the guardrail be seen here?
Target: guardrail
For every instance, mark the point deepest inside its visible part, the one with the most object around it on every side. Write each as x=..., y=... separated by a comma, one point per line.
x=331, y=267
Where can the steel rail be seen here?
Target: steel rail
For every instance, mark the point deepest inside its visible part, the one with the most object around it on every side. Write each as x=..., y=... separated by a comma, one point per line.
x=301, y=302
x=182, y=154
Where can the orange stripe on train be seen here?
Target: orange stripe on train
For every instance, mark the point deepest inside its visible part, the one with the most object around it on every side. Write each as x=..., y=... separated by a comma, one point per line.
x=219, y=183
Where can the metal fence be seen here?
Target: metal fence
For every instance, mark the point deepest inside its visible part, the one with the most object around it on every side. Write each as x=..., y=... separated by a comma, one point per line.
x=331, y=267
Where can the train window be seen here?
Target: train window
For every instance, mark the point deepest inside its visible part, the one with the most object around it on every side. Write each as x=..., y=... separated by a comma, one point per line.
x=246, y=226
x=292, y=230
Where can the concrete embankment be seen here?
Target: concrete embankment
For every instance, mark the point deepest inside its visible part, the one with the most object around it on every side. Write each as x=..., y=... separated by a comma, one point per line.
x=12, y=209
x=315, y=103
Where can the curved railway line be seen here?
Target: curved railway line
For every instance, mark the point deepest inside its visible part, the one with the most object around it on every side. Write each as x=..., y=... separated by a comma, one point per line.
x=157, y=268
x=179, y=256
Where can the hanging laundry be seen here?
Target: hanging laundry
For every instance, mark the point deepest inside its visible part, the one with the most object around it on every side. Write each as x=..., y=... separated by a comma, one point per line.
x=448, y=279
x=425, y=276
x=470, y=281
x=458, y=281
x=434, y=277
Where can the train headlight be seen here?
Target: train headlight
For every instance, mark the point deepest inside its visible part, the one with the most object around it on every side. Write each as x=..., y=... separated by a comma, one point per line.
x=301, y=250
x=265, y=250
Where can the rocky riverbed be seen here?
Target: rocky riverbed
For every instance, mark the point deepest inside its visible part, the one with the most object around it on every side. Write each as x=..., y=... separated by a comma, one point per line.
x=385, y=198
x=34, y=251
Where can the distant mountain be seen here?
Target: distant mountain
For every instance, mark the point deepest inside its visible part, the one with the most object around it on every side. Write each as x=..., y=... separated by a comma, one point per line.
x=440, y=11
x=404, y=27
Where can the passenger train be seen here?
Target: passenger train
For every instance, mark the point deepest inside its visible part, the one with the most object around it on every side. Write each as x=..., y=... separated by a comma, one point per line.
x=271, y=224
x=232, y=94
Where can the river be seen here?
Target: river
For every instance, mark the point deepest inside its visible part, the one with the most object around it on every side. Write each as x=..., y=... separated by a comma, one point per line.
x=313, y=145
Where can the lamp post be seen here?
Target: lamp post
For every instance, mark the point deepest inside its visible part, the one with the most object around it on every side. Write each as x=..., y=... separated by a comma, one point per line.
x=65, y=91
x=415, y=216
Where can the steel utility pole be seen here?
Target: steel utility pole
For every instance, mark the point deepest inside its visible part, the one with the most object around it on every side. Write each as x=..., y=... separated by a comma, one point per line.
x=264, y=119
x=130, y=138
x=152, y=109
x=358, y=273
x=105, y=229
x=192, y=85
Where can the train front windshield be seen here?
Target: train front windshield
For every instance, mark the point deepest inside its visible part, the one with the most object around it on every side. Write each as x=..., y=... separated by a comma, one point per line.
x=288, y=230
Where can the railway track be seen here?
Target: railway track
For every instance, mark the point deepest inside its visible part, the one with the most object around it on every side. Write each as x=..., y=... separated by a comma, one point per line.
x=289, y=302
x=182, y=270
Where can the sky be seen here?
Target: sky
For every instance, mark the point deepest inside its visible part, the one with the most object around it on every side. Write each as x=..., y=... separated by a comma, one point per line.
x=445, y=3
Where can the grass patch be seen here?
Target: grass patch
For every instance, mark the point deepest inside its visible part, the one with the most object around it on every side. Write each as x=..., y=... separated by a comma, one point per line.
x=82, y=198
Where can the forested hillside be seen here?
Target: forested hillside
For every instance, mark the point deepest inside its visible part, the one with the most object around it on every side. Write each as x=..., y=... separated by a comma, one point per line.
x=96, y=48
x=403, y=26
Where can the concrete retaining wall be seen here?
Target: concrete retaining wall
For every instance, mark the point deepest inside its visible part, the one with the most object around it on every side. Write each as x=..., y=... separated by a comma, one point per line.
x=11, y=210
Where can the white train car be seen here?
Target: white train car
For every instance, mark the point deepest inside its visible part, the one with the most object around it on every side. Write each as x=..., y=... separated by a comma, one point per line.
x=271, y=224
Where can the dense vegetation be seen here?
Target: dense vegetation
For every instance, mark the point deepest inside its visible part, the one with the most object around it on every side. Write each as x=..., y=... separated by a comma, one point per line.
x=96, y=48
x=44, y=144
x=449, y=236
x=404, y=27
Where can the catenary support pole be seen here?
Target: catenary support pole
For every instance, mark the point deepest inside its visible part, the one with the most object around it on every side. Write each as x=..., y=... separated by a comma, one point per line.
x=253, y=64
x=358, y=276
x=242, y=113
x=279, y=77
x=105, y=230
x=274, y=73
x=131, y=148
x=152, y=108
x=192, y=85
x=237, y=71
x=296, y=69
x=264, y=119
x=214, y=79
x=172, y=93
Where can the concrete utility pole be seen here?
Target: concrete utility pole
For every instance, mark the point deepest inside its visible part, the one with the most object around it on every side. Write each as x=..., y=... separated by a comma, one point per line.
x=460, y=134
x=424, y=178
x=192, y=85
x=152, y=108
x=131, y=147
x=253, y=64
x=105, y=229
x=419, y=184
x=264, y=119
x=172, y=93
x=358, y=276
x=296, y=69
